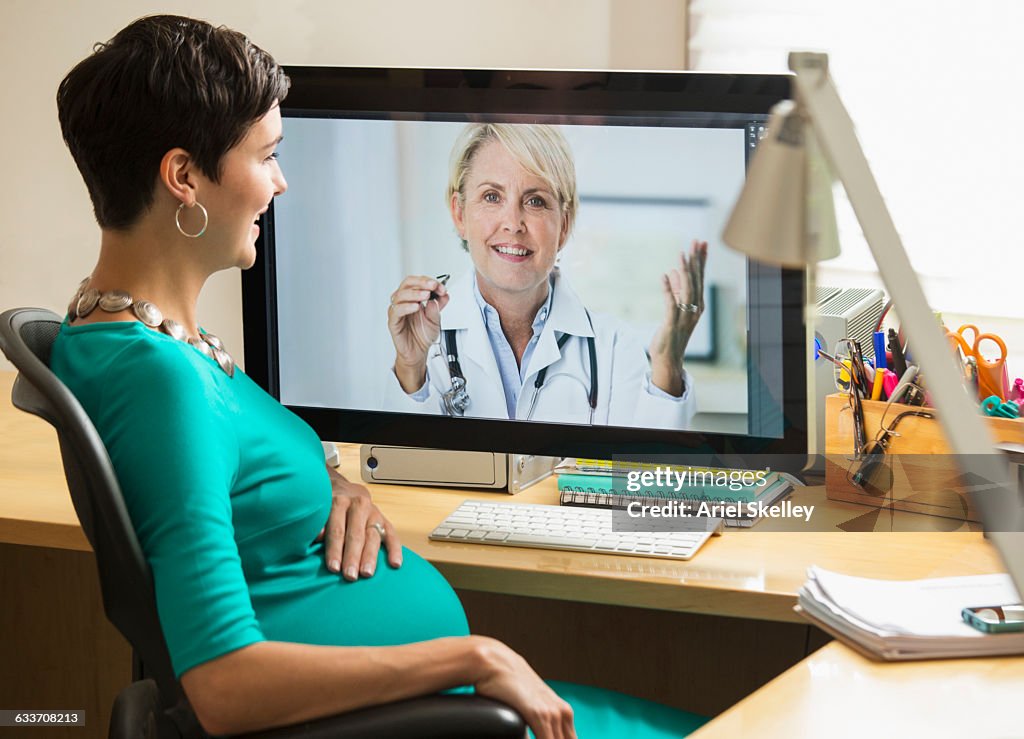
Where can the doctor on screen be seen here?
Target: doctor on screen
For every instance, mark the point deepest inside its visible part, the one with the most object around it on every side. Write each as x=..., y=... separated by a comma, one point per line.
x=511, y=339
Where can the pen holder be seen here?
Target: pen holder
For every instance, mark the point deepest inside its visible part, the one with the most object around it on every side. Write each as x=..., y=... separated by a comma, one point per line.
x=924, y=474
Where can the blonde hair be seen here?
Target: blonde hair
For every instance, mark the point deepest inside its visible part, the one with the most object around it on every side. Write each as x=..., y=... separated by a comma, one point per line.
x=541, y=150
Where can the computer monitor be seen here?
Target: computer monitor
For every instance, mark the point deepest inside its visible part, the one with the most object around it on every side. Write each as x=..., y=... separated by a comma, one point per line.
x=658, y=161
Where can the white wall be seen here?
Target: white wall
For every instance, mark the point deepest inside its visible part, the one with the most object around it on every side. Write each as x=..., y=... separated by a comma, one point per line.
x=49, y=239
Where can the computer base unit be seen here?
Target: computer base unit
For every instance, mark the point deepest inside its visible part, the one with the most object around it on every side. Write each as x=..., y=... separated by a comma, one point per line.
x=403, y=465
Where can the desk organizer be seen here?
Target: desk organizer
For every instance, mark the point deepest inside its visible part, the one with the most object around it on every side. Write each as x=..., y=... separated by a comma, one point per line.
x=924, y=473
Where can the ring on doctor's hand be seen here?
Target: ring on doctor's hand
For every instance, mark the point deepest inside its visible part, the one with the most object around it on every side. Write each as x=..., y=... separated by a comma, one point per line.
x=378, y=526
x=688, y=307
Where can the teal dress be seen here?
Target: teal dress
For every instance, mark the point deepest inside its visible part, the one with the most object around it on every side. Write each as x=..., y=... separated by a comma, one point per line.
x=228, y=490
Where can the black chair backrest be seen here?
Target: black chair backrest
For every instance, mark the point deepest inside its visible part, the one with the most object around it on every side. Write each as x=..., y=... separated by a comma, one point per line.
x=26, y=337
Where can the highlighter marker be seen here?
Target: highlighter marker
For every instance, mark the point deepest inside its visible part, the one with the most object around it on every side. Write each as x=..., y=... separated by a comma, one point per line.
x=879, y=342
x=876, y=386
x=889, y=383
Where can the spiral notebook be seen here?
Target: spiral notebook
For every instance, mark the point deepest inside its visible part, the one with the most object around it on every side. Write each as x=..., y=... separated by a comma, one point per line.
x=609, y=491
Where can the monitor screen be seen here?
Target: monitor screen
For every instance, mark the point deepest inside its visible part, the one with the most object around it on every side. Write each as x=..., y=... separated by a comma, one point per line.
x=560, y=210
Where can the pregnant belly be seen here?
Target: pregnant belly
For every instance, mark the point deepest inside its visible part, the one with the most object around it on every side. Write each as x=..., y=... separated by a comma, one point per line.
x=311, y=605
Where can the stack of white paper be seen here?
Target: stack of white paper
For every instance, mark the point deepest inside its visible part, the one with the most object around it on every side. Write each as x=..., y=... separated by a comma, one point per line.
x=908, y=619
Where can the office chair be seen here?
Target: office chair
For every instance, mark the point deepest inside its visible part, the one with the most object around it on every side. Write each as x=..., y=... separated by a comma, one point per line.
x=157, y=708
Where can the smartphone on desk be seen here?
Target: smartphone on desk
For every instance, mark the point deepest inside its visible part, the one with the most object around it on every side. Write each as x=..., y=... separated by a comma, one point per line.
x=995, y=619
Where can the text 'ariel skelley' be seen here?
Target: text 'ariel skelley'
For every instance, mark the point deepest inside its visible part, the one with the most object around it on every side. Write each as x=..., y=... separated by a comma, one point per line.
x=678, y=509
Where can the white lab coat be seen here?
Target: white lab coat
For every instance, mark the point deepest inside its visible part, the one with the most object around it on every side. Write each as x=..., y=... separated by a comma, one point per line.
x=623, y=370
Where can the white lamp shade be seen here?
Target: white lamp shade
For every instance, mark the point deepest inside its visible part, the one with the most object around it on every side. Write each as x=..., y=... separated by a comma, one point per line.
x=785, y=214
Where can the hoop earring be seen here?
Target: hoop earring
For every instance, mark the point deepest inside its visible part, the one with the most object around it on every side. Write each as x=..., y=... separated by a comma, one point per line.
x=177, y=221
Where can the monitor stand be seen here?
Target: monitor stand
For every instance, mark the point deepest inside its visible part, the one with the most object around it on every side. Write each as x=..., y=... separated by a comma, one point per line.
x=497, y=471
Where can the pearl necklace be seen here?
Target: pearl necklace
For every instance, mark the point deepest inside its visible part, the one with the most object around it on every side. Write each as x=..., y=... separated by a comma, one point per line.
x=86, y=300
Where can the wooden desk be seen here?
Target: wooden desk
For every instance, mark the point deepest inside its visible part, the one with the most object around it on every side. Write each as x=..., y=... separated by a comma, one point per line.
x=626, y=623
x=35, y=508
x=837, y=693
x=744, y=573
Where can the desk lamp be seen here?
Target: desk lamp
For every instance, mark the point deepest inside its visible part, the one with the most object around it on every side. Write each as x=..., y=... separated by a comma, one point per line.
x=785, y=216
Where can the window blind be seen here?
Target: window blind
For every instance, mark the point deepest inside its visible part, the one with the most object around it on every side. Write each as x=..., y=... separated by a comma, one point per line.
x=935, y=91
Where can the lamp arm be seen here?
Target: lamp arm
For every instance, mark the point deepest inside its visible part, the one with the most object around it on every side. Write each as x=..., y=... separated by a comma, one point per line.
x=968, y=435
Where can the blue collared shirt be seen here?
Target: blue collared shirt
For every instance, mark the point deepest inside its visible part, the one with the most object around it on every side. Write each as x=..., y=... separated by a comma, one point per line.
x=513, y=376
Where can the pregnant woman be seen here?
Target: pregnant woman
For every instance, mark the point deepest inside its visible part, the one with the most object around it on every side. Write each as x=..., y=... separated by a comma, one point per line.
x=276, y=598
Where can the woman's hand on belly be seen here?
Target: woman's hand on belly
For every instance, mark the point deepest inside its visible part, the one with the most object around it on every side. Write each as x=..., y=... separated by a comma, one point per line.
x=351, y=537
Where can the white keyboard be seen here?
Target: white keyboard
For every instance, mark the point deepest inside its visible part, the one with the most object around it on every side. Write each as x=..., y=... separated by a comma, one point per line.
x=564, y=527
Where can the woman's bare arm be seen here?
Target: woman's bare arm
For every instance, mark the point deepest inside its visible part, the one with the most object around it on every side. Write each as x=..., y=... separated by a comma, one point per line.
x=271, y=684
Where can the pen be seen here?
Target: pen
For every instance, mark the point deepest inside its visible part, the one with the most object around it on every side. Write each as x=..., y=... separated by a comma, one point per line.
x=443, y=279
x=833, y=360
x=899, y=364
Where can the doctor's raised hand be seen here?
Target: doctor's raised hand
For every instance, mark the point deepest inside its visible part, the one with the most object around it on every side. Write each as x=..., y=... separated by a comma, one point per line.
x=683, y=290
x=414, y=322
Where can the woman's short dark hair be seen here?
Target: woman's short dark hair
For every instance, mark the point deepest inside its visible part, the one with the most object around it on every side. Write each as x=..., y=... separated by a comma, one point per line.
x=162, y=82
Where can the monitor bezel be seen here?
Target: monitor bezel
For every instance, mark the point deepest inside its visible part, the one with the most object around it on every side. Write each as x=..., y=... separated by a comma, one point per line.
x=381, y=92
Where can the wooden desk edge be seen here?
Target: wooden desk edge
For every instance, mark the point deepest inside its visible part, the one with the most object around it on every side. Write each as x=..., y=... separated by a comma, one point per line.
x=801, y=699
x=45, y=534
x=637, y=593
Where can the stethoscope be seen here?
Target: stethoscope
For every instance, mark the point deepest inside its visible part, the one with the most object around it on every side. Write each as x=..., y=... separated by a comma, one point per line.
x=456, y=400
